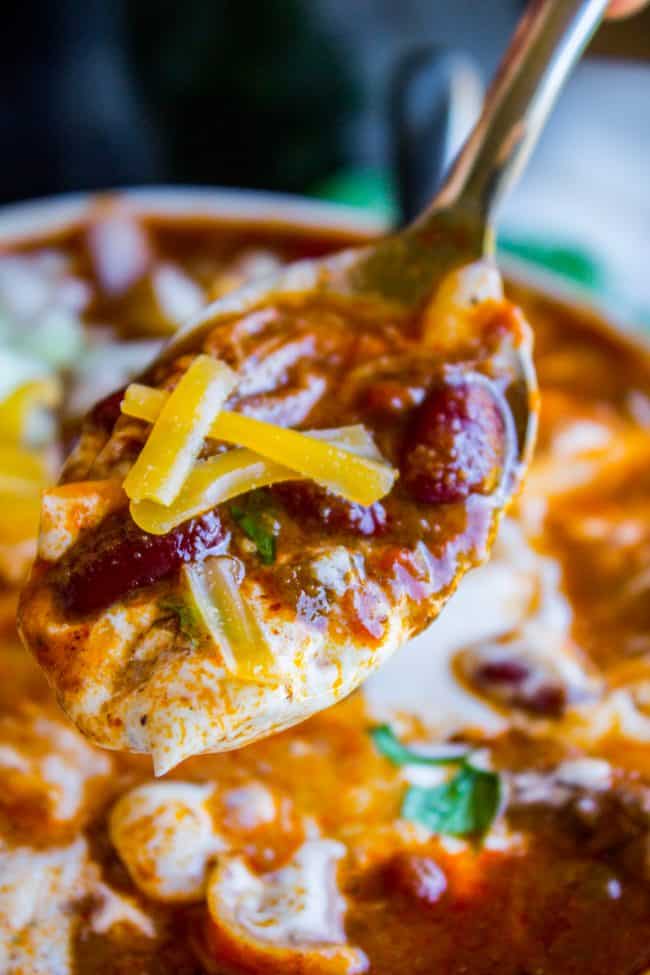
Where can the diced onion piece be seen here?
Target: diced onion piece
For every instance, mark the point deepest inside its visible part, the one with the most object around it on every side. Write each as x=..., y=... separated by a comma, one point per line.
x=229, y=619
x=178, y=296
x=228, y=475
x=119, y=248
x=22, y=472
x=178, y=433
x=357, y=478
x=18, y=409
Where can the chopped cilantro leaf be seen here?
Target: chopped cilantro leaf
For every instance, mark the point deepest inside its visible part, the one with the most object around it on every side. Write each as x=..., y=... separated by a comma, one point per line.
x=391, y=747
x=464, y=806
x=185, y=615
x=252, y=525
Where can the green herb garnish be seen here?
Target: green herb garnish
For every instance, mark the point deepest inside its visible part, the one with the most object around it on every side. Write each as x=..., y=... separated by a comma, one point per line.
x=188, y=623
x=391, y=747
x=466, y=805
x=252, y=525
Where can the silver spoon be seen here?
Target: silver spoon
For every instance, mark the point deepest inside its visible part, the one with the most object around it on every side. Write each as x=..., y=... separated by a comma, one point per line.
x=456, y=228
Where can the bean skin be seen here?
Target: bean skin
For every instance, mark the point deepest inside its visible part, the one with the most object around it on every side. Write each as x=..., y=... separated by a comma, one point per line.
x=117, y=557
x=454, y=444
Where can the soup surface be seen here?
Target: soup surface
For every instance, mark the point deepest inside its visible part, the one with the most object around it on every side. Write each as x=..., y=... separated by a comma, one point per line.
x=482, y=806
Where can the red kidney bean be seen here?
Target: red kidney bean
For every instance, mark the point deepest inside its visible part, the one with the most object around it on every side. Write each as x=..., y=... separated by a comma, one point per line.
x=309, y=502
x=117, y=557
x=514, y=683
x=455, y=443
x=546, y=701
x=502, y=672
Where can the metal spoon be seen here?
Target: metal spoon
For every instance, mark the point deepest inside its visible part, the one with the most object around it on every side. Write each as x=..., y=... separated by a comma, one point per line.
x=456, y=228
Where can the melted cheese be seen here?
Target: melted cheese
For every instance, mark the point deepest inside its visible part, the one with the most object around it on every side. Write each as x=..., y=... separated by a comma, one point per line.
x=564, y=783
x=449, y=318
x=249, y=807
x=114, y=909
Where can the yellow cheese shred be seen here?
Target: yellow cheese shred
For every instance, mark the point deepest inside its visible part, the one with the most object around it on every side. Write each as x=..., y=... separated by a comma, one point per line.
x=355, y=478
x=22, y=472
x=235, y=472
x=358, y=478
x=211, y=482
x=23, y=475
x=216, y=593
x=178, y=432
x=17, y=411
x=23, y=524
x=143, y=402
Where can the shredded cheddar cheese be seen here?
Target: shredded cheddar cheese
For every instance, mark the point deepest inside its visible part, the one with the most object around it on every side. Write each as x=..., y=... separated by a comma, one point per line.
x=230, y=621
x=358, y=475
x=143, y=402
x=23, y=523
x=178, y=432
x=355, y=478
x=228, y=475
x=18, y=409
x=211, y=482
x=22, y=472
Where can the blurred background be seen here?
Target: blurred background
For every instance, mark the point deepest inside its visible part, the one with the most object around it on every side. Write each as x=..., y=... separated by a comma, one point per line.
x=360, y=101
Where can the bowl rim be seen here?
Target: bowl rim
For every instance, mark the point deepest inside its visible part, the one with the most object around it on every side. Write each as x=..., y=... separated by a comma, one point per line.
x=30, y=218
x=38, y=218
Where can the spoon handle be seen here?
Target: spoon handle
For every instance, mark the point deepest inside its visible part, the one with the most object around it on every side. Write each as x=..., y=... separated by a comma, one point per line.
x=548, y=42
